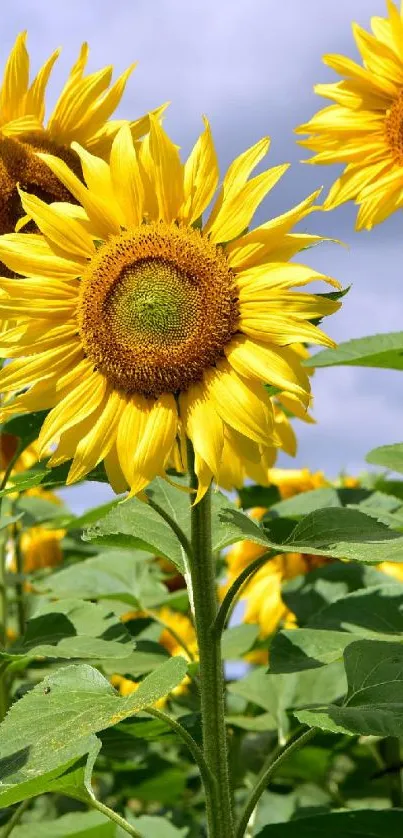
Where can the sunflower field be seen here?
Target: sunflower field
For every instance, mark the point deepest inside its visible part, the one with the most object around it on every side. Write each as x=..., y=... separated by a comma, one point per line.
x=206, y=641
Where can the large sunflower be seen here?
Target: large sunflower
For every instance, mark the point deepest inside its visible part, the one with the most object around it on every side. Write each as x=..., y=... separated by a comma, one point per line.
x=81, y=113
x=364, y=129
x=137, y=325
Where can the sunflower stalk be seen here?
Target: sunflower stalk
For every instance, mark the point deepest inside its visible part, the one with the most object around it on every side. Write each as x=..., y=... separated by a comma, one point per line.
x=215, y=749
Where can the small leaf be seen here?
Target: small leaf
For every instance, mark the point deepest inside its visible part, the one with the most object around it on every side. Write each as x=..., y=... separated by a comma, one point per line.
x=25, y=426
x=374, y=703
x=151, y=827
x=72, y=629
x=305, y=648
x=389, y=456
x=384, y=351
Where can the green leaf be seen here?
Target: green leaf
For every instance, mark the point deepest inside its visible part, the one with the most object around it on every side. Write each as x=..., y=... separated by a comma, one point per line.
x=277, y=693
x=389, y=456
x=264, y=496
x=255, y=724
x=384, y=351
x=25, y=426
x=73, y=825
x=377, y=609
x=55, y=722
x=305, y=648
x=37, y=510
x=72, y=629
x=40, y=475
x=374, y=702
x=338, y=533
x=307, y=502
x=360, y=824
x=237, y=641
x=151, y=827
x=21, y=778
x=147, y=656
x=306, y=595
x=137, y=525
x=121, y=575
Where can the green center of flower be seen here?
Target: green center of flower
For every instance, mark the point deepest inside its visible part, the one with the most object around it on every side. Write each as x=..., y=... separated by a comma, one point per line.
x=157, y=307
x=153, y=300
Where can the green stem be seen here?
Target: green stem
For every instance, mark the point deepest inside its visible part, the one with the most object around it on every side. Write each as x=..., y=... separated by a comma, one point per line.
x=390, y=751
x=265, y=776
x=113, y=816
x=231, y=596
x=19, y=587
x=15, y=818
x=174, y=526
x=197, y=753
x=202, y=573
x=4, y=692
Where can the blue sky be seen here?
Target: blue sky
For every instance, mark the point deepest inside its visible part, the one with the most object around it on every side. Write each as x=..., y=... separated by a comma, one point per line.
x=250, y=65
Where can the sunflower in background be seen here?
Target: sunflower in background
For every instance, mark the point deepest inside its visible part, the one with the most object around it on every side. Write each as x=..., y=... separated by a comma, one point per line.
x=364, y=128
x=136, y=329
x=82, y=113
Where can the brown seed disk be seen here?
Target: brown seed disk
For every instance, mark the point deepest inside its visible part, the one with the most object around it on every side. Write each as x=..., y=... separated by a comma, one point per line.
x=394, y=129
x=157, y=307
x=20, y=165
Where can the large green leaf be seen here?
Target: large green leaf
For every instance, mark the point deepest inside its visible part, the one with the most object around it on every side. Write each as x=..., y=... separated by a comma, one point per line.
x=359, y=824
x=54, y=723
x=72, y=629
x=305, y=648
x=374, y=702
x=40, y=475
x=372, y=609
x=73, y=825
x=25, y=426
x=389, y=456
x=385, y=351
x=137, y=525
x=337, y=533
x=124, y=575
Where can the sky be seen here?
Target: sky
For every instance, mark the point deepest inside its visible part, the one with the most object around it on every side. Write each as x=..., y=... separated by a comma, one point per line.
x=250, y=66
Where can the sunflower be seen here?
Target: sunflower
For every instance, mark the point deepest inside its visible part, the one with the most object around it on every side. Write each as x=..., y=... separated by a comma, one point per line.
x=364, y=129
x=138, y=325
x=81, y=113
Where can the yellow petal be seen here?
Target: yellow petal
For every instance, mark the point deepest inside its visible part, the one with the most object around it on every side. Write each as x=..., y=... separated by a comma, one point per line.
x=126, y=177
x=94, y=118
x=204, y=477
x=97, y=176
x=201, y=175
x=74, y=102
x=203, y=425
x=30, y=254
x=285, y=432
x=254, y=246
x=166, y=171
x=35, y=98
x=15, y=81
x=146, y=435
x=102, y=217
x=82, y=401
x=114, y=472
x=236, y=212
x=241, y=404
x=274, y=365
x=237, y=176
x=97, y=443
x=18, y=374
x=283, y=330
x=68, y=235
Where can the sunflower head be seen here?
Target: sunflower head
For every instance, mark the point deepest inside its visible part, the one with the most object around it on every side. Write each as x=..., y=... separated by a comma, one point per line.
x=82, y=113
x=363, y=128
x=137, y=330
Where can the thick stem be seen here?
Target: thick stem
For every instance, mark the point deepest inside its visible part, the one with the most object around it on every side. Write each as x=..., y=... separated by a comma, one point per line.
x=276, y=759
x=202, y=572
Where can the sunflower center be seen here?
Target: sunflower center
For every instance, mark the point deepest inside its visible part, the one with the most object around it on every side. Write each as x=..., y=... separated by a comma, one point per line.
x=394, y=129
x=157, y=307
